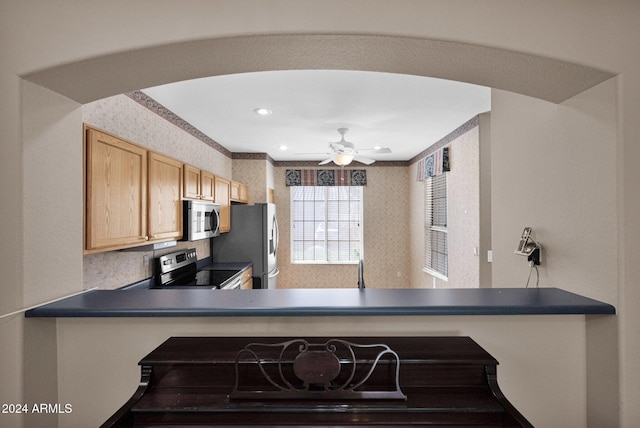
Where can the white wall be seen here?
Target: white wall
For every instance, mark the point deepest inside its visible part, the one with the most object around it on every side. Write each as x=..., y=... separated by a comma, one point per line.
x=563, y=185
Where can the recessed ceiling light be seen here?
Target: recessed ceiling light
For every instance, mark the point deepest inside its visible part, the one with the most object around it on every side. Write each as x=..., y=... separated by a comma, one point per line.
x=282, y=147
x=262, y=111
x=377, y=147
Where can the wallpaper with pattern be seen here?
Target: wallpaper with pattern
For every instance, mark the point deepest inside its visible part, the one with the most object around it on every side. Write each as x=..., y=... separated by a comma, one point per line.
x=386, y=254
x=462, y=217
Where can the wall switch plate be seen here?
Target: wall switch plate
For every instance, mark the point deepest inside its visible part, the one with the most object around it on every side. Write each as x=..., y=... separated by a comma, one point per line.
x=490, y=256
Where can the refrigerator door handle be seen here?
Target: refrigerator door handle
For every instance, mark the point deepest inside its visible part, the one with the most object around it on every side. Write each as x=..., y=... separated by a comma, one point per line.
x=275, y=236
x=274, y=273
x=275, y=223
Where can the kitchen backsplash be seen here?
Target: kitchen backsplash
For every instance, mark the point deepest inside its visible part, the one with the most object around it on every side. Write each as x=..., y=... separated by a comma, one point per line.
x=114, y=269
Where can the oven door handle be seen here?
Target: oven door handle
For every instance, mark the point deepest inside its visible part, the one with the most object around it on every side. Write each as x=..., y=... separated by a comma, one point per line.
x=236, y=284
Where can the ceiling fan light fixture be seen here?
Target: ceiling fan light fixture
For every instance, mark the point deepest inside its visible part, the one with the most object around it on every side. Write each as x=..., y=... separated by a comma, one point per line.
x=343, y=159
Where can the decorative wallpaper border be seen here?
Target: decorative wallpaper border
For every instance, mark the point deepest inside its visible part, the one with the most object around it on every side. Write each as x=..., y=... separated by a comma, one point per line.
x=460, y=130
x=311, y=164
x=148, y=102
x=252, y=156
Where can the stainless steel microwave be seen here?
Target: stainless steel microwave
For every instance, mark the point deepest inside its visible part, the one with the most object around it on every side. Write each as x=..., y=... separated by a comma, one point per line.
x=201, y=220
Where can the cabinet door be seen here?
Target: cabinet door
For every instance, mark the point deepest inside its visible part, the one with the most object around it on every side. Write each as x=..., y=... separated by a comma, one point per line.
x=165, y=204
x=247, y=279
x=239, y=192
x=191, y=182
x=244, y=193
x=235, y=191
x=115, y=192
x=223, y=193
x=207, y=186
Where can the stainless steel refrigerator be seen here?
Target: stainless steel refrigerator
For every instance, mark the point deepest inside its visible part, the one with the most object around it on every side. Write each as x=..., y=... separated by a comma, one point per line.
x=253, y=237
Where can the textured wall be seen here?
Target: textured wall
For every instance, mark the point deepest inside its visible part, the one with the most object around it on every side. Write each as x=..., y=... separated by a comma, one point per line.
x=253, y=173
x=462, y=216
x=127, y=119
x=386, y=254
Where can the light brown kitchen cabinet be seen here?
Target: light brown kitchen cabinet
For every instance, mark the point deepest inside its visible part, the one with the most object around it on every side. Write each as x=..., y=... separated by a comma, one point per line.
x=239, y=192
x=223, y=197
x=165, y=204
x=115, y=192
x=207, y=186
x=191, y=182
x=132, y=195
x=198, y=184
x=247, y=279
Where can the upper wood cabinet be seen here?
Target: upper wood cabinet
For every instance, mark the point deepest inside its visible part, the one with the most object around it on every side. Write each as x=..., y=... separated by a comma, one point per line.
x=223, y=197
x=116, y=192
x=239, y=192
x=198, y=184
x=191, y=182
x=207, y=186
x=133, y=196
x=165, y=203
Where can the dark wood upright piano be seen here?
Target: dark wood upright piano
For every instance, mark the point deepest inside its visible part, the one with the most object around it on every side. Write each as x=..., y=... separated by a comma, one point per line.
x=318, y=381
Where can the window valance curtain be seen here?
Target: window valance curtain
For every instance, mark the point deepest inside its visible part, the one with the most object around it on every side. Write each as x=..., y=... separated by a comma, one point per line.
x=434, y=164
x=326, y=177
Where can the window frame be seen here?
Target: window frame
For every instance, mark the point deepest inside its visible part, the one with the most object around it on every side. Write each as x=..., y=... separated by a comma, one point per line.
x=326, y=221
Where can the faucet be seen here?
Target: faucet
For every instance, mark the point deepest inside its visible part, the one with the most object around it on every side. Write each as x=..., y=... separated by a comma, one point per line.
x=361, y=274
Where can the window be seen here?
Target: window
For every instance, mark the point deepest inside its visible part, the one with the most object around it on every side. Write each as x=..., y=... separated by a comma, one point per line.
x=436, y=247
x=326, y=224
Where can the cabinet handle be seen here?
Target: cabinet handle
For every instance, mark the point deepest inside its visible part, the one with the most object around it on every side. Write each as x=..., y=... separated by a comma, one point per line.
x=146, y=237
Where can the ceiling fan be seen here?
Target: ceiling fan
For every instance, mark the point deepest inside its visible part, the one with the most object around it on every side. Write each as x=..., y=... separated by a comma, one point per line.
x=344, y=152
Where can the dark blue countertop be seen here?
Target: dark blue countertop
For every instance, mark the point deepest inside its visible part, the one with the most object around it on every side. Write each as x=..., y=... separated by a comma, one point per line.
x=208, y=264
x=321, y=302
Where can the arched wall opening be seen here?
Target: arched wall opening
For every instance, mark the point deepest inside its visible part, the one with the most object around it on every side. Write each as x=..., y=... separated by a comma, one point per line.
x=102, y=76
x=111, y=74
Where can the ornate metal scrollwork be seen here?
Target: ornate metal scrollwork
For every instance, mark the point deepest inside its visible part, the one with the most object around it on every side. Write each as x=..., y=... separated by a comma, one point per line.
x=336, y=369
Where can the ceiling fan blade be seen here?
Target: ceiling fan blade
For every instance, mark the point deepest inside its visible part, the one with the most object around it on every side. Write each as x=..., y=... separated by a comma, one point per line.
x=326, y=161
x=364, y=160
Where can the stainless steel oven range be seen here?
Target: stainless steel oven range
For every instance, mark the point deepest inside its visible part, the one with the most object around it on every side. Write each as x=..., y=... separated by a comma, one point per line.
x=180, y=270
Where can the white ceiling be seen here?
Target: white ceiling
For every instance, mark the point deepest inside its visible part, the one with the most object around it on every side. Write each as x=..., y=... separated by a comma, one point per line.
x=402, y=112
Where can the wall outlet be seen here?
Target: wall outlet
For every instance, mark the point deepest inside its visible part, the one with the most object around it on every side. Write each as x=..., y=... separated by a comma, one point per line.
x=399, y=274
x=145, y=260
x=490, y=256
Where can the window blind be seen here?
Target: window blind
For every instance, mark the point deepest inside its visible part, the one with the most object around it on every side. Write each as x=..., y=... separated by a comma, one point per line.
x=436, y=246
